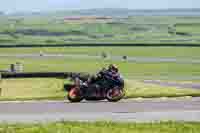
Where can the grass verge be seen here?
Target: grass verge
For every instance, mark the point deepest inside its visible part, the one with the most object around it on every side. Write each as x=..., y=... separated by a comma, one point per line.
x=103, y=127
x=52, y=89
x=135, y=89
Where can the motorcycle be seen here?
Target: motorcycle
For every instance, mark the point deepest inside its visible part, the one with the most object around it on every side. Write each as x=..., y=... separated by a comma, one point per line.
x=105, y=87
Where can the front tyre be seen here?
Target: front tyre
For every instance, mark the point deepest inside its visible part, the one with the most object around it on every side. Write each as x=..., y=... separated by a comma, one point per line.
x=115, y=94
x=75, y=95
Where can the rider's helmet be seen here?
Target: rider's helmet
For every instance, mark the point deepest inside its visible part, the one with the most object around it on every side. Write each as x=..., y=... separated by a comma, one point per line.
x=113, y=67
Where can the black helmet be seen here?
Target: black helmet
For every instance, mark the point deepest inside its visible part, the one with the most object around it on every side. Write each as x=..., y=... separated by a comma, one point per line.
x=113, y=67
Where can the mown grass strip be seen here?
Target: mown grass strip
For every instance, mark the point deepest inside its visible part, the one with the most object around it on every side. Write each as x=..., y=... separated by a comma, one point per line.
x=102, y=127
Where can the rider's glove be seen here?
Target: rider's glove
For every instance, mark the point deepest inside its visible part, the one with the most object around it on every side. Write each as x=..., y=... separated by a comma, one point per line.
x=85, y=84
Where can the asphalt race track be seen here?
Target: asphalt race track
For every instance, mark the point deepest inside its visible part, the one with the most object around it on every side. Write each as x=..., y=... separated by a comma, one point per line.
x=135, y=110
x=115, y=58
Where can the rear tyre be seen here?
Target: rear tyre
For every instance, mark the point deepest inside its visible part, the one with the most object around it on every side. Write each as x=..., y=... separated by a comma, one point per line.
x=75, y=95
x=114, y=95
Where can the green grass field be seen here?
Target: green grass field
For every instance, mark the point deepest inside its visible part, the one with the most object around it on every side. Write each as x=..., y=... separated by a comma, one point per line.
x=51, y=30
x=128, y=69
x=103, y=127
x=28, y=89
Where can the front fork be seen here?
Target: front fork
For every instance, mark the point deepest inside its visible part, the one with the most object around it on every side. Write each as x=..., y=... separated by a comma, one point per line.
x=77, y=83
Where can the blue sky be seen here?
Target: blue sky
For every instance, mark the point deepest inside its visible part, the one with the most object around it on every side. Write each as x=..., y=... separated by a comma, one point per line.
x=44, y=5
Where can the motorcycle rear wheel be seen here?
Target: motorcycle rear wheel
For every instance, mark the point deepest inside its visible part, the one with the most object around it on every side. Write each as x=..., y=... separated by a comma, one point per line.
x=75, y=95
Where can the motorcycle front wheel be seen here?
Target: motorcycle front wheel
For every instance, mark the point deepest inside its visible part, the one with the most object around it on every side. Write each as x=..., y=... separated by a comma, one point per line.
x=114, y=95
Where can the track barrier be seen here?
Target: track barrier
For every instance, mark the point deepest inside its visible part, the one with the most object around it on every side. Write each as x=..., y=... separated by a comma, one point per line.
x=8, y=75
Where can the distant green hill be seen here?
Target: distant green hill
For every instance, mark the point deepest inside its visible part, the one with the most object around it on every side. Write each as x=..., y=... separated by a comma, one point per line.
x=120, y=12
x=1, y=13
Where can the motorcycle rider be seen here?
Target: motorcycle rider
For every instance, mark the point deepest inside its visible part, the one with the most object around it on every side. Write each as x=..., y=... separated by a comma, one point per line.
x=112, y=71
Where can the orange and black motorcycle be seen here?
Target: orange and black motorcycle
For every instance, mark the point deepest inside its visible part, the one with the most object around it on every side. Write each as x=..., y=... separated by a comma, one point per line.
x=105, y=87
